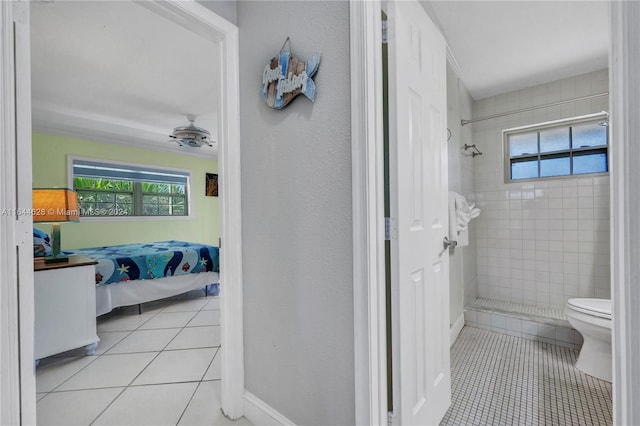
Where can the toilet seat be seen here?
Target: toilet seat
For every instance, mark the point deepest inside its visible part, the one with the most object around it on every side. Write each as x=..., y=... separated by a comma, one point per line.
x=596, y=307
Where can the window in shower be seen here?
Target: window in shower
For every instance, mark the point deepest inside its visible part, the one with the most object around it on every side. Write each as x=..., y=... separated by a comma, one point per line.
x=575, y=146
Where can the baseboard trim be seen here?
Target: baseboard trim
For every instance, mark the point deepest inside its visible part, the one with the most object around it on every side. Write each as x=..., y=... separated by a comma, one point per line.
x=259, y=412
x=455, y=329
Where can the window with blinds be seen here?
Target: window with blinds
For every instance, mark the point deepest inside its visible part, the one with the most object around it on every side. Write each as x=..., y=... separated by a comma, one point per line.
x=113, y=189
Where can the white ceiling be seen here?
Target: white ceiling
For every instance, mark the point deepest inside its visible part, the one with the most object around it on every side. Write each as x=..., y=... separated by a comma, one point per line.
x=118, y=72
x=503, y=46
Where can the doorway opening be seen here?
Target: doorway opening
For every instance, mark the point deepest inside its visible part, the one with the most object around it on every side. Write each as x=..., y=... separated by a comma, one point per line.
x=193, y=17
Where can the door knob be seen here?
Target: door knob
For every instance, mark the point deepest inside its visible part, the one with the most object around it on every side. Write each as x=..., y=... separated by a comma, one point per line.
x=447, y=243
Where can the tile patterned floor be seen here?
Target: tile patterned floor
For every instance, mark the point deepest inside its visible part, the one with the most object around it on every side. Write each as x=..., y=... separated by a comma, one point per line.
x=158, y=368
x=530, y=310
x=499, y=379
x=163, y=368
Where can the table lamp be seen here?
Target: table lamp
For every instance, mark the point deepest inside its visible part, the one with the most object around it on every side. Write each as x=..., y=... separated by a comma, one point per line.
x=55, y=206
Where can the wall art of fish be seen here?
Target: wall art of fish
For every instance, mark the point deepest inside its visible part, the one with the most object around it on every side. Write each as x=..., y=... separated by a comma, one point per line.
x=286, y=76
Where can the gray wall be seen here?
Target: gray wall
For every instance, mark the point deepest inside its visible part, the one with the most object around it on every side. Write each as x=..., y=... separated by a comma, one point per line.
x=297, y=233
x=462, y=265
x=224, y=8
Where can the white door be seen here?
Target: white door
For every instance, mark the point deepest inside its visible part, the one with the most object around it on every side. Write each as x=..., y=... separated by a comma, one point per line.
x=419, y=202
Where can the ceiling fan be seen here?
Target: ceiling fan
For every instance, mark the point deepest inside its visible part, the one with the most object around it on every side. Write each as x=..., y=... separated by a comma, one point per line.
x=191, y=135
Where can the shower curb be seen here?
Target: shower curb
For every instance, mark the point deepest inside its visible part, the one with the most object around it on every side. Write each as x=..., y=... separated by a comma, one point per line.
x=543, y=329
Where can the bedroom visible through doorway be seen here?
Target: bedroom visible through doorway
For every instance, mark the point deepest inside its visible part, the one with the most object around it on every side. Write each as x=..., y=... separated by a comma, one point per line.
x=209, y=26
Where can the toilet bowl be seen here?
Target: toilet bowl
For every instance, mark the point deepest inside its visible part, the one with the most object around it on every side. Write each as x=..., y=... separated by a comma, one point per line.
x=592, y=318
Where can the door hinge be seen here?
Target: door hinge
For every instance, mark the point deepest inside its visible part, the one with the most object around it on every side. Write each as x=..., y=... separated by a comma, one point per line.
x=385, y=31
x=390, y=228
x=391, y=418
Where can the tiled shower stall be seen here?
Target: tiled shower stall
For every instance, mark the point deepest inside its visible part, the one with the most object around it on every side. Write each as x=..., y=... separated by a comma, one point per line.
x=536, y=243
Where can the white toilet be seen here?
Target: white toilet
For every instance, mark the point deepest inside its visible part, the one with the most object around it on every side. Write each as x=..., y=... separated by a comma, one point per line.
x=592, y=318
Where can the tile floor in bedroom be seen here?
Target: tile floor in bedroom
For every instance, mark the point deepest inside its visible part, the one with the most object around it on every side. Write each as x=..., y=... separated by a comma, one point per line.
x=158, y=368
x=498, y=379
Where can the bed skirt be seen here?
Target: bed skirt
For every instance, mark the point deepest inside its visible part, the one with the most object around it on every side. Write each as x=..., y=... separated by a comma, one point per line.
x=128, y=293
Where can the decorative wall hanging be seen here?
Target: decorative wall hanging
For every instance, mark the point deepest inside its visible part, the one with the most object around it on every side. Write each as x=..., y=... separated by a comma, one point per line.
x=211, y=185
x=286, y=76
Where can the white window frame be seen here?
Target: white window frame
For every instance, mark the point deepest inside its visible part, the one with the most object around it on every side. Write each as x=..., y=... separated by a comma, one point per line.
x=188, y=192
x=565, y=122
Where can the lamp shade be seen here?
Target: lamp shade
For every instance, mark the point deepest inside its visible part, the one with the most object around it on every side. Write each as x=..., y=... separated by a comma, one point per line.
x=55, y=205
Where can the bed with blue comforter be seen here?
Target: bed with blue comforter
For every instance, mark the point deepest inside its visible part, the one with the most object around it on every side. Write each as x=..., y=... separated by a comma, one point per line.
x=130, y=274
x=147, y=261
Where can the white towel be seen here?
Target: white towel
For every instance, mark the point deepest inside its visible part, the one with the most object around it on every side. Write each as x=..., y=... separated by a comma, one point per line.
x=460, y=214
x=463, y=238
x=453, y=220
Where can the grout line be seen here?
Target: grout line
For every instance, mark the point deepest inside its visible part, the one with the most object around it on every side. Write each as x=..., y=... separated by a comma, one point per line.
x=164, y=383
x=108, y=405
x=210, y=364
x=84, y=389
x=106, y=352
x=68, y=378
x=188, y=403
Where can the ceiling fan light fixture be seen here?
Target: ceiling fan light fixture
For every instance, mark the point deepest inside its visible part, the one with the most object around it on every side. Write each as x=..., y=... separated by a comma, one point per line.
x=191, y=135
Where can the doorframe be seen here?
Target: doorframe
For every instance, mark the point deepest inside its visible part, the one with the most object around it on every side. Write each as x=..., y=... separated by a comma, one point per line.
x=367, y=163
x=209, y=23
x=17, y=389
x=624, y=102
x=230, y=208
x=18, y=386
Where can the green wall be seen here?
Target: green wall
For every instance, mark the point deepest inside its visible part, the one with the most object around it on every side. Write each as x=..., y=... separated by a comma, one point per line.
x=50, y=169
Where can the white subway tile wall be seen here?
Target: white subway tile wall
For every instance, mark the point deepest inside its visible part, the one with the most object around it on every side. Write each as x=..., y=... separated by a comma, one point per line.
x=540, y=242
x=461, y=180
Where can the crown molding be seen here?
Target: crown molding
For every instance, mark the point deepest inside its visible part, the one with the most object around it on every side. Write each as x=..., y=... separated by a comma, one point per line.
x=453, y=62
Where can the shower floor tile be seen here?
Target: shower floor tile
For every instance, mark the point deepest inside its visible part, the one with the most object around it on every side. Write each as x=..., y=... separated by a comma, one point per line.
x=498, y=379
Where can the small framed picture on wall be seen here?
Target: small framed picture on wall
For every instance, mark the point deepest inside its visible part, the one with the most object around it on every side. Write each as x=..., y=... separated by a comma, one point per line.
x=211, y=185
